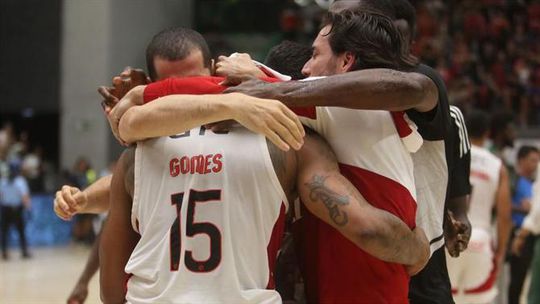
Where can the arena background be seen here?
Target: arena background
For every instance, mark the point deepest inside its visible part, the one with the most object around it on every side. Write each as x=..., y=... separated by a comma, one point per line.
x=55, y=53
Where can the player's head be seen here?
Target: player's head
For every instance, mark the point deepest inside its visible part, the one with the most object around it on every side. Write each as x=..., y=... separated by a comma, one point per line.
x=402, y=12
x=178, y=52
x=527, y=161
x=503, y=131
x=355, y=40
x=478, y=125
x=288, y=58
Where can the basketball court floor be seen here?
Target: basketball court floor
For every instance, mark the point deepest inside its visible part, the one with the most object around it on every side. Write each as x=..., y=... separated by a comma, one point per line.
x=48, y=277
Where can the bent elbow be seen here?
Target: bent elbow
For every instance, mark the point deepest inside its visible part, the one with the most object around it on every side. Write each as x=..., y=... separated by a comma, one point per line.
x=423, y=91
x=127, y=127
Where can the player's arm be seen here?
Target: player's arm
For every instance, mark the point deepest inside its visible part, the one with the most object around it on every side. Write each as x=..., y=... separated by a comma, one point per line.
x=504, y=215
x=94, y=199
x=117, y=238
x=371, y=89
x=332, y=198
x=175, y=114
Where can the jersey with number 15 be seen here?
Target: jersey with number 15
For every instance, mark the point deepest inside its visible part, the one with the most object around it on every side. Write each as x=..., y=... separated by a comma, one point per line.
x=209, y=208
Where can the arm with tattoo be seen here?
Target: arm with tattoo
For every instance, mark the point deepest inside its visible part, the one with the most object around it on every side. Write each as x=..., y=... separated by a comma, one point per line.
x=331, y=197
x=313, y=174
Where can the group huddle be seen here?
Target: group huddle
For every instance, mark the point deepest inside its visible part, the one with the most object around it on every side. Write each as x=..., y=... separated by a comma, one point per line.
x=361, y=162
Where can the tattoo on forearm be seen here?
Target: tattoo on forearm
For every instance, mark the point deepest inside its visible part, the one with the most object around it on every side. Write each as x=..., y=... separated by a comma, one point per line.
x=331, y=200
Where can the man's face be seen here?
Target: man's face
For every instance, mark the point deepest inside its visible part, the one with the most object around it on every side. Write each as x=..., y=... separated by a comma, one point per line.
x=529, y=164
x=192, y=65
x=323, y=61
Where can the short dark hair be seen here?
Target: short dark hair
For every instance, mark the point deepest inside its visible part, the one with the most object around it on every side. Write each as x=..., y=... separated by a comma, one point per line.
x=393, y=9
x=499, y=122
x=524, y=151
x=477, y=123
x=371, y=37
x=175, y=44
x=288, y=58
x=385, y=7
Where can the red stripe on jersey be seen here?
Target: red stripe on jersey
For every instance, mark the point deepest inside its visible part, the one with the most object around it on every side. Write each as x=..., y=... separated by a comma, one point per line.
x=129, y=275
x=187, y=85
x=335, y=269
x=309, y=112
x=274, y=245
x=480, y=175
x=401, y=124
x=488, y=284
x=383, y=193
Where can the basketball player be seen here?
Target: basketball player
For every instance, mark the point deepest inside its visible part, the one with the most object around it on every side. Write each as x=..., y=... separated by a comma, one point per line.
x=308, y=158
x=442, y=161
x=474, y=273
x=174, y=115
x=347, y=275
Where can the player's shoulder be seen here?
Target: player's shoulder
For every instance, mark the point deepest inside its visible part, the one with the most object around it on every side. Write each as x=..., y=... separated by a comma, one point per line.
x=485, y=153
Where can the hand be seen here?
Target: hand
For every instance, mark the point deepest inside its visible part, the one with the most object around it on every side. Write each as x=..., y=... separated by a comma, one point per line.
x=423, y=252
x=519, y=242
x=457, y=233
x=526, y=205
x=253, y=87
x=123, y=83
x=132, y=98
x=270, y=118
x=237, y=68
x=78, y=294
x=69, y=201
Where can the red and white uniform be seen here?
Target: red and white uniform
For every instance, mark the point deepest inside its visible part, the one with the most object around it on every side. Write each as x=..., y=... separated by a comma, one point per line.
x=373, y=157
x=473, y=274
x=209, y=208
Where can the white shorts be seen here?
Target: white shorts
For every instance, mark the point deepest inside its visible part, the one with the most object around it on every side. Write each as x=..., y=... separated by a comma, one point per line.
x=473, y=274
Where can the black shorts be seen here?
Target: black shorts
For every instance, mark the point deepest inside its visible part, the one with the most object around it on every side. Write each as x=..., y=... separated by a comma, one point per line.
x=432, y=284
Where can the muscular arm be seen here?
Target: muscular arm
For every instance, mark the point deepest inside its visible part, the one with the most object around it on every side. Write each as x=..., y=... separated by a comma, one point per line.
x=332, y=198
x=504, y=215
x=175, y=114
x=372, y=89
x=118, y=238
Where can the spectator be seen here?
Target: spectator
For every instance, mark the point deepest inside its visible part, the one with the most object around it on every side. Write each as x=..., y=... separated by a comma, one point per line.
x=527, y=163
x=14, y=198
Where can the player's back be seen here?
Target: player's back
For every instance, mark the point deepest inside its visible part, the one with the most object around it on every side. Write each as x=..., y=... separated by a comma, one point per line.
x=485, y=172
x=372, y=156
x=210, y=210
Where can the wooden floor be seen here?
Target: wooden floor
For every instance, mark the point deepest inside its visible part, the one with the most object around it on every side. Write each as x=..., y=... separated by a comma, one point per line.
x=48, y=277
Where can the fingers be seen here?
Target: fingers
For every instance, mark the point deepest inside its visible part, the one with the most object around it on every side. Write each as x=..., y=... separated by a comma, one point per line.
x=108, y=98
x=126, y=72
x=289, y=132
x=299, y=126
x=61, y=204
x=276, y=140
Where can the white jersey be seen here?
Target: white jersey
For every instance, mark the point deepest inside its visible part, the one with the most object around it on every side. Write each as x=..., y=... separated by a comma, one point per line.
x=209, y=208
x=368, y=147
x=485, y=172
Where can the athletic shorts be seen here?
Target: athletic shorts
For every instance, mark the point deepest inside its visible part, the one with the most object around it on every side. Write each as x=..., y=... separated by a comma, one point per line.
x=473, y=274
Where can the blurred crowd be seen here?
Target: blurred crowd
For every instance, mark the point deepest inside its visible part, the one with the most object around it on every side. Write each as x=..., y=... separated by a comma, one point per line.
x=488, y=52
